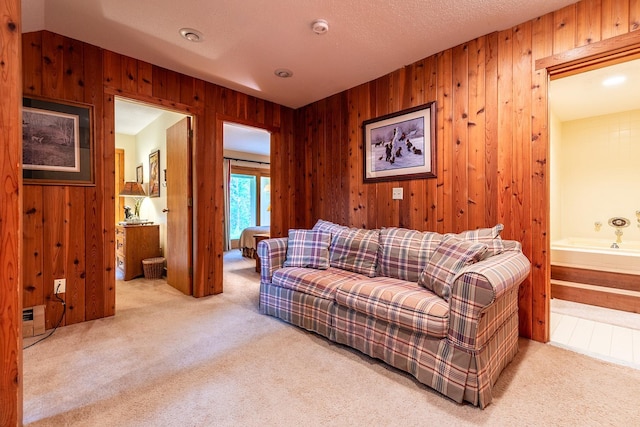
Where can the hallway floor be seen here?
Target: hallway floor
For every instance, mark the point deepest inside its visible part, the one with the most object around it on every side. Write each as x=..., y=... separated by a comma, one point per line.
x=598, y=332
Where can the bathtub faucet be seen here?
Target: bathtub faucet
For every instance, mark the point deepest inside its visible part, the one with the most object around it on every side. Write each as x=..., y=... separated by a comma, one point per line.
x=618, y=223
x=619, y=234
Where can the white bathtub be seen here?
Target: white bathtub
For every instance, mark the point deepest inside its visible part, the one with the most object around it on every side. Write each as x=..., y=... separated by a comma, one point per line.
x=597, y=254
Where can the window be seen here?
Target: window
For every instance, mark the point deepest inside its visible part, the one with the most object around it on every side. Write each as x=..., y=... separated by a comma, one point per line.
x=250, y=199
x=242, y=195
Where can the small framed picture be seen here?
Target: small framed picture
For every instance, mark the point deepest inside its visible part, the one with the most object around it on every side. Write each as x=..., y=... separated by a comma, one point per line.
x=139, y=176
x=154, y=174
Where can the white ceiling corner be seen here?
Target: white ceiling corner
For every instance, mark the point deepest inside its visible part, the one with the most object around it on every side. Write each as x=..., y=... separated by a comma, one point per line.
x=246, y=41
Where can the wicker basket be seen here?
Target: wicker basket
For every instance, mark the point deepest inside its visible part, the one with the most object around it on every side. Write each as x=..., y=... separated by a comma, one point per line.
x=153, y=267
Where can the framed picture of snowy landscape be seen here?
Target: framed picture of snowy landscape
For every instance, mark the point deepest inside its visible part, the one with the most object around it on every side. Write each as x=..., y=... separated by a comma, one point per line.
x=401, y=145
x=57, y=142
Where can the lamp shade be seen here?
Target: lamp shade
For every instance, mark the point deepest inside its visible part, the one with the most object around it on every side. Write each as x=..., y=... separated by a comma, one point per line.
x=132, y=189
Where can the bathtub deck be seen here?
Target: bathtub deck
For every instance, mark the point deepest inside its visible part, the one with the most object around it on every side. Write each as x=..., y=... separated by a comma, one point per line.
x=617, y=291
x=629, y=282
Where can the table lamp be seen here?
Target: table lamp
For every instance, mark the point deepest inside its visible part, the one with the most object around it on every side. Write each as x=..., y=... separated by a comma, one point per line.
x=135, y=190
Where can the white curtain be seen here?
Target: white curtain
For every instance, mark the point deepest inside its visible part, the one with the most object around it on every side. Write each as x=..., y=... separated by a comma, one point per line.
x=227, y=212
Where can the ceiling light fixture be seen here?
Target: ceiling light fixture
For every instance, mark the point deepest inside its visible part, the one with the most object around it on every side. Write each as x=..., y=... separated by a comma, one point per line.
x=614, y=80
x=320, y=26
x=283, y=73
x=191, y=35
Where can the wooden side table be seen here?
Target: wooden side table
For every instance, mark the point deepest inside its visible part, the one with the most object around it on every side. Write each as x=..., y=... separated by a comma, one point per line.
x=133, y=244
x=258, y=238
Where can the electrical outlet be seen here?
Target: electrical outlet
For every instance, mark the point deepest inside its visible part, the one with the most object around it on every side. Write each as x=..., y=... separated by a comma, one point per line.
x=60, y=286
x=397, y=193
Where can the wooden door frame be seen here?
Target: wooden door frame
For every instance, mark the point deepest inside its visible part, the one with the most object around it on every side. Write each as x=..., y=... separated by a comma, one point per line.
x=616, y=49
x=221, y=119
x=161, y=104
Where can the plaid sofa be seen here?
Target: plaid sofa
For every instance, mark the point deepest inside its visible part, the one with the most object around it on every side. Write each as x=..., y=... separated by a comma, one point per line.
x=443, y=308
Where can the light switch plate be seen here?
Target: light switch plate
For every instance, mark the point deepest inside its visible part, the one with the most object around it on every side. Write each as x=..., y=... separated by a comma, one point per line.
x=397, y=193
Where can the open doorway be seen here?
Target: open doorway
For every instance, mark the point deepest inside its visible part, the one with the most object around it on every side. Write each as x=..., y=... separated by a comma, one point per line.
x=247, y=160
x=151, y=141
x=595, y=213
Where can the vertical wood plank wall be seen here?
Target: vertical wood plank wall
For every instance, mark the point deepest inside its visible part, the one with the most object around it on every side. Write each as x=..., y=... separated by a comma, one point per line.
x=492, y=154
x=10, y=216
x=492, y=141
x=69, y=231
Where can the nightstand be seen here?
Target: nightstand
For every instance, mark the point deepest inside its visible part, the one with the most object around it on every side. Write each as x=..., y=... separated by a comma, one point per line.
x=258, y=238
x=133, y=244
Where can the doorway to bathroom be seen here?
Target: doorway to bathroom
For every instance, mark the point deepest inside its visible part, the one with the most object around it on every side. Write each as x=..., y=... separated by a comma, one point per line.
x=594, y=128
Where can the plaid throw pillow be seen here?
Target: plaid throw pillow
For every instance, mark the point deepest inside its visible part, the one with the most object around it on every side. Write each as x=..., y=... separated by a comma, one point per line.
x=404, y=253
x=490, y=236
x=308, y=248
x=328, y=226
x=356, y=250
x=449, y=258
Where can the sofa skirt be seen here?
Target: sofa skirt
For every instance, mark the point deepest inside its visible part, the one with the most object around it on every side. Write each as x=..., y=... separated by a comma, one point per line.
x=456, y=372
x=432, y=361
x=306, y=311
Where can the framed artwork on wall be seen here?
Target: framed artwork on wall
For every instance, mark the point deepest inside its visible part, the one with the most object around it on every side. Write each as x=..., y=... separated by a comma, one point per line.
x=154, y=174
x=57, y=142
x=401, y=145
x=139, y=175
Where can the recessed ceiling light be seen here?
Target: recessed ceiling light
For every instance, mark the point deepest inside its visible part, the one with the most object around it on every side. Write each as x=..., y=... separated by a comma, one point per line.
x=320, y=26
x=614, y=80
x=191, y=35
x=283, y=73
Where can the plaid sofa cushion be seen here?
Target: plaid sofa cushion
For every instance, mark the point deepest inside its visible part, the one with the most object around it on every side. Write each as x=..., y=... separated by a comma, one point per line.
x=328, y=226
x=355, y=249
x=490, y=236
x=398, y=302
x=319, y=283
x=404, y=253
x=449, y=258
x=308, y=248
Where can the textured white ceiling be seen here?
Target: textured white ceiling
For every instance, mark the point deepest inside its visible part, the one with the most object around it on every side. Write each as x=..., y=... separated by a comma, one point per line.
x=583, y=95
x=133, y=117
x=245, y=41
x=246, y=139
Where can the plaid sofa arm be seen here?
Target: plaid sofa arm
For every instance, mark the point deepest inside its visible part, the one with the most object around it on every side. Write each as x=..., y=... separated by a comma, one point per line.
x=478, y=286
x=272, y=253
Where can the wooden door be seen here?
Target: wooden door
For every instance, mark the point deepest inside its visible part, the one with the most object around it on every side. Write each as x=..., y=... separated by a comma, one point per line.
x=179, y=206
x=119, y=184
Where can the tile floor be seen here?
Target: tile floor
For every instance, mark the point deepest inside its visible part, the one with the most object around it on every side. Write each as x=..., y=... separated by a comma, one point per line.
x=597, y=332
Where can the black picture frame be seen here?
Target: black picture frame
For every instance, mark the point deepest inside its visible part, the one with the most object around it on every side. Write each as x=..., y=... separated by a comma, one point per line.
x=139, y=174
x=57, y=142
x=400, y=146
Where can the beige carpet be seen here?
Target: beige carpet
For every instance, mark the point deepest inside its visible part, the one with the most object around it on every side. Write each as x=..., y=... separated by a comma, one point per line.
x=170, y=360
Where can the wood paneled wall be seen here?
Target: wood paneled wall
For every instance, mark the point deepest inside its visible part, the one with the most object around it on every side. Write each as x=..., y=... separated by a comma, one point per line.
x=69, y=231
x=492, y=145
x=10, y=216
x=492, y=141
x=492, y=160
